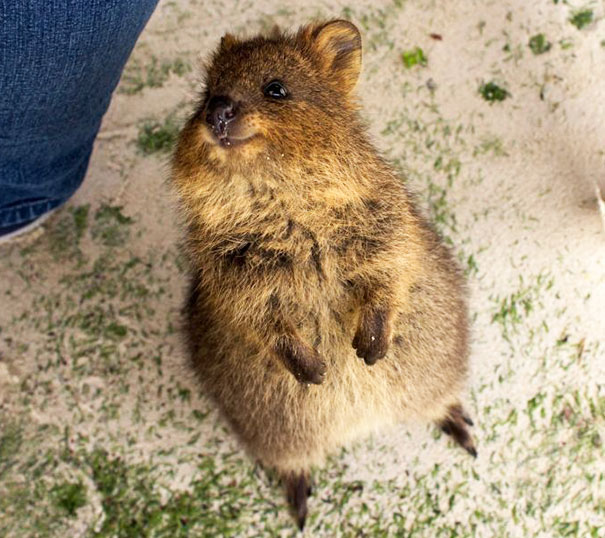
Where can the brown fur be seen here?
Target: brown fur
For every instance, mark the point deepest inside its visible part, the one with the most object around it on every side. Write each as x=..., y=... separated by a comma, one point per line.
x=307, y=252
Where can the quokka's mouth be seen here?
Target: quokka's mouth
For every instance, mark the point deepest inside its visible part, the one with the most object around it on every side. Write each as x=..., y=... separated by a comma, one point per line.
x=229, y=141
x=226, y=140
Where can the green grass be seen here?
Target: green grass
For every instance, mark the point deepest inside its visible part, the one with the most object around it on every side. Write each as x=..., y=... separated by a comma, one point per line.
x=539, y=44
x=11, y=439
x=470, y=265
x=374, y=23
x=582, y=18
x=490, y=145
x=158, y=136
x=565, y=44
x=28, y=505
x=492, y=93
x=414, y=57
x=65, y=234
x=115, y=331
x=512, y=310
x=218, y=503
x=69, y=496
x=80, y=216
x=154, y=74
x=111, y=227
x=441, y=212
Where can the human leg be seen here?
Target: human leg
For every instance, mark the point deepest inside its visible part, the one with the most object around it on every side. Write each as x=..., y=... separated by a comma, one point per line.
x=61, y=61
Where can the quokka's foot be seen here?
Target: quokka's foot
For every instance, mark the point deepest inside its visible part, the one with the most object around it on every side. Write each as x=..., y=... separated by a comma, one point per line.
x=298, y=489
x=455, y=424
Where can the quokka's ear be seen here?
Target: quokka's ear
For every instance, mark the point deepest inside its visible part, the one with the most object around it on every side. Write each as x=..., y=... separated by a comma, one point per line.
x=275, y=32
x=227, y=41
x=339, y=46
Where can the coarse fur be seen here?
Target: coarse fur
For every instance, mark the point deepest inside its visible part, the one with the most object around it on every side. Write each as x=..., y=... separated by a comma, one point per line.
x=307, y=252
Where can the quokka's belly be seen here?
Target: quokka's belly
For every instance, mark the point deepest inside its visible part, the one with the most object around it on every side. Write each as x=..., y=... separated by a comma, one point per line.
x=288, y=425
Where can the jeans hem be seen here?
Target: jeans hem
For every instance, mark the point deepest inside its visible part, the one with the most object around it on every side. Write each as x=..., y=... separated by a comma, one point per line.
x=28, y=212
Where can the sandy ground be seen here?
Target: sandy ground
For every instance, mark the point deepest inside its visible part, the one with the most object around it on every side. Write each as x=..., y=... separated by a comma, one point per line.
x=103, y=431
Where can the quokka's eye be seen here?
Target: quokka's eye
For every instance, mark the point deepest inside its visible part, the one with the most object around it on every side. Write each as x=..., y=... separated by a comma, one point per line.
x=275, y=90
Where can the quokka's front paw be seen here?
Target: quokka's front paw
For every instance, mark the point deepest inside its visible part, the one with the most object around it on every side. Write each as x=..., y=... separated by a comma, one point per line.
x=371, y=340
x=303, y=361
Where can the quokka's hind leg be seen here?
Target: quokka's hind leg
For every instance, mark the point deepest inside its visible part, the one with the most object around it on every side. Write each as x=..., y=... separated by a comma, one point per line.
x=298, y=489
x=455, y=424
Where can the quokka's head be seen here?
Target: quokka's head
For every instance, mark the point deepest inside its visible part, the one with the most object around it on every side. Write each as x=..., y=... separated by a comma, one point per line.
x=280, y=95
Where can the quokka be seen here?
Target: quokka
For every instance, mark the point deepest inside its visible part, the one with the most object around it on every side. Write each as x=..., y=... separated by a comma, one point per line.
x=323, y=305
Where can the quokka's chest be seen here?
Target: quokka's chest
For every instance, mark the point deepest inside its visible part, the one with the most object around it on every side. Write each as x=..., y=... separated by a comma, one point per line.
x=286, y=267
x=328, y=244
x=283, y=247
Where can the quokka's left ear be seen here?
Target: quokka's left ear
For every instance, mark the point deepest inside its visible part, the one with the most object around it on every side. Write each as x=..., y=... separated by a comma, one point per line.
x=228, y=41
x=338, y=44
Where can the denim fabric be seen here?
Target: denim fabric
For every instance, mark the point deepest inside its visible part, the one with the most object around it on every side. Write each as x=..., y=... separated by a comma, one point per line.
x=60, y=61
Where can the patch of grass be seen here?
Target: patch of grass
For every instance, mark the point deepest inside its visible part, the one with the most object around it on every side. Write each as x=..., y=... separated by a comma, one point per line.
x=69, y=496
x=491, y=144
x=565, y=44
x=414, y=57
x=442, y=215
x=471, y=266
x=80, y=216
x=452, y=166
x=26, y=512
x=492, y=93
x=112, y=213
x=347, y=13
x=158, y=137
x=436, y=141
x=65, y=234
x=377, y=23
x=111, y=226
x=539, y=44
x=582, y=18
x=26, y=504
x=216, y=505
x=11, y=439
x=513, y=309
x=111, y=278
x=96, y=318
x=136, y=77
x=115, y=331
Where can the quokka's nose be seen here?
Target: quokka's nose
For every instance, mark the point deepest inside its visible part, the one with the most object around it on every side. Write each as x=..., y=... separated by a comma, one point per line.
x=220, y=112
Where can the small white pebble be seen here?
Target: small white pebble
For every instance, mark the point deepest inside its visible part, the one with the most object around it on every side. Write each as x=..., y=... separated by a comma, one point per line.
x=372, y=338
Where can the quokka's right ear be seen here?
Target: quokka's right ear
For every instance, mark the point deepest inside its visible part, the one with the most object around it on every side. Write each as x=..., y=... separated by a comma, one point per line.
x=275, y=32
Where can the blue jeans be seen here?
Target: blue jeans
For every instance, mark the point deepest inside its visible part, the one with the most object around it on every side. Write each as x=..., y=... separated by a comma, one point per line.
x=60, y=61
